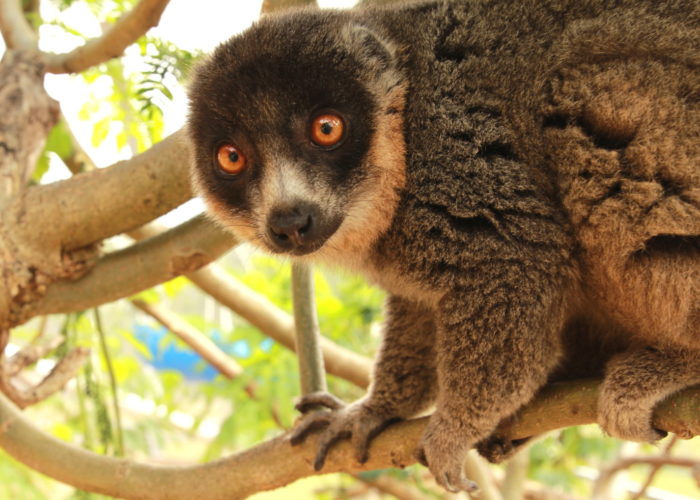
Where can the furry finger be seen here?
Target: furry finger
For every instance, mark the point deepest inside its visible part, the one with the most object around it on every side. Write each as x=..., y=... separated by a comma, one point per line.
x=364, y=432
x=311, y=423
x=467, y=485
x=328, y=439
x=455, y=482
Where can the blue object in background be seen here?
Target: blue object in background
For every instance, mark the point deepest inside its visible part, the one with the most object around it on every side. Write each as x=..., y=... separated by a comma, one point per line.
x=168, y=355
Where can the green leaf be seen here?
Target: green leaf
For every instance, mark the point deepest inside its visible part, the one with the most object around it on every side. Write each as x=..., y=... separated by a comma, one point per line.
x=100, y=131
x=135, y=343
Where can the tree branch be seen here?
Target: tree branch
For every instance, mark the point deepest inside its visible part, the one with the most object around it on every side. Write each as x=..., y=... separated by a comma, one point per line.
x=399, y=489
x=239, y=475
x=29, y=355
x=307, y=334
x=606, y=475
x=95, y=205
x=112, y=43
x=270, y=6
x=199, y=343
x=138, y=267
x=61, y=373
x=655, y=469
x=15, y=29
x=24, y=101
x=48, y=233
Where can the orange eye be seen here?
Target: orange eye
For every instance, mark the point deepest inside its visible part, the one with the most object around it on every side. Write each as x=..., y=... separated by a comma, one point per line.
x=231, y=159
x=327, y=130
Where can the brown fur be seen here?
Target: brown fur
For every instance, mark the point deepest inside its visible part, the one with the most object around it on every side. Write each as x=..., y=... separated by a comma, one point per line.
x=522, y=177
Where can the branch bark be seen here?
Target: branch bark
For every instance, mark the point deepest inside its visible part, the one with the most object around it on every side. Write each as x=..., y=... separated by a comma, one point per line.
x=270, y=6
x=307, y=334
x=15, y=29
x=109, y=201
x=48, y=233
x=118, y=37
x=275, y=463
x=22, y=100
x=138, y=267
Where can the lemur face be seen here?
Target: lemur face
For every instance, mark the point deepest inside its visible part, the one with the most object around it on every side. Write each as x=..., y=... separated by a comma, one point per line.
x=285, y=125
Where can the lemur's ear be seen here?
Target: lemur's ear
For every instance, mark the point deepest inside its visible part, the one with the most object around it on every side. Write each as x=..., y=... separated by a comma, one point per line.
x=369, y=48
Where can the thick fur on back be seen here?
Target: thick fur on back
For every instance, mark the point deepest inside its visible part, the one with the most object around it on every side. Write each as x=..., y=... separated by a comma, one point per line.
x=522, y=177
x=604, y=113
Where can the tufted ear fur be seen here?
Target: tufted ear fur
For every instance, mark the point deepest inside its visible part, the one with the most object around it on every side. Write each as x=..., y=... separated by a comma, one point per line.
x=376, y=55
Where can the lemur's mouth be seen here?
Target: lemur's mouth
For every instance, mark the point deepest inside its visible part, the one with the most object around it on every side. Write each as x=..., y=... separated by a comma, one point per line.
x=299, y=229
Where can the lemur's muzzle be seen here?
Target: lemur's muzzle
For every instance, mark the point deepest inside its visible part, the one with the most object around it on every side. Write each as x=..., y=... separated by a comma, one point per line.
x=299, y=228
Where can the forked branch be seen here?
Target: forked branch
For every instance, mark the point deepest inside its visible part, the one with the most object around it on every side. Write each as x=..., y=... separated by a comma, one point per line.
x=112, y=43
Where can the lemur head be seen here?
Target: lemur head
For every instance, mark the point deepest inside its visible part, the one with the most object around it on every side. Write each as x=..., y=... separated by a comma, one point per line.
x=297, y=132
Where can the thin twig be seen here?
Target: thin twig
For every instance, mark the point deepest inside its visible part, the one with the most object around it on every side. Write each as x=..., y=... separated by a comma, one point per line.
x=275, y=323
x=513, y=486
x=29, y=355
x=41, y=329
x=59, y=376
x=655, y=469
x=119, y=451
x=394, y=487
x=268, y=318
x=77, y=160
x=607, y=474
x=193, y=338
x=112, y=43
x=64, y=371
x=308, y=335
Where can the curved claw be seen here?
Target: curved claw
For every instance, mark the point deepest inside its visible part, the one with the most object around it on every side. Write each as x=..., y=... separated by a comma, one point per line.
x=315, y=399
x=363, y=435
x=358, y=421
x=460, y=484
x=443, y=451
x=328, y=439
x=310, y=423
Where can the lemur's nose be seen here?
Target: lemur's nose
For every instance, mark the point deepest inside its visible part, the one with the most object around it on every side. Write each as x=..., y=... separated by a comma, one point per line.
x=292, y=227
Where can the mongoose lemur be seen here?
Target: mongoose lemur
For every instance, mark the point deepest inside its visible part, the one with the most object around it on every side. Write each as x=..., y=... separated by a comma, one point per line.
x=521, y=176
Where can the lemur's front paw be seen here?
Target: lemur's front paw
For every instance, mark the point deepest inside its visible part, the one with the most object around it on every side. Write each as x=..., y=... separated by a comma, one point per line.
x=625, y=417
x=442, y=449
x=358, y=421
